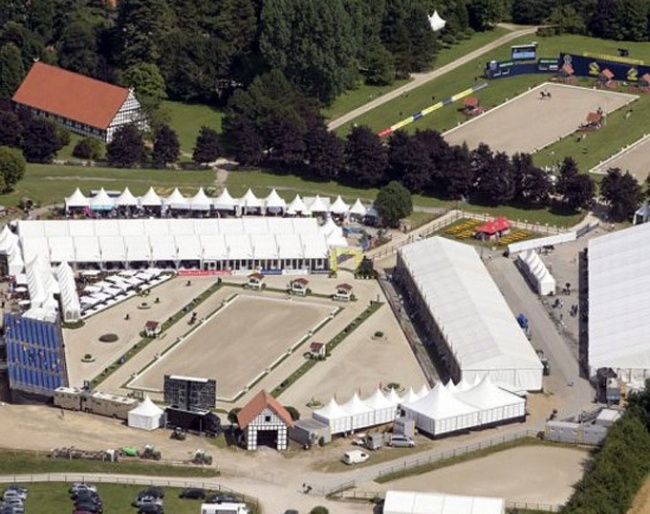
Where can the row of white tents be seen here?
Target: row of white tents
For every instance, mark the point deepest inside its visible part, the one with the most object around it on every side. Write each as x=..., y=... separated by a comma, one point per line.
x=537, y=273
x=200, y=202
x=441, y=410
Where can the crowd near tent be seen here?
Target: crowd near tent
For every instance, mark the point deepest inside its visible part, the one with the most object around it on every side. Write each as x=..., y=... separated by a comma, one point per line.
x=618, y=302
x=468, y=320
x=146, y=416
x=537, y=273
x=406, y=502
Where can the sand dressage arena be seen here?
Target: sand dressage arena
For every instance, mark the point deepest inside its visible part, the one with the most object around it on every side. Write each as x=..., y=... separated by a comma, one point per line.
x=534, y=474
x=633, y=159
x=238, y=343
x=527, y=123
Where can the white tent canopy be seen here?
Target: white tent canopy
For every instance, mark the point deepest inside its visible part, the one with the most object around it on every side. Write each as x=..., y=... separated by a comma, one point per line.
x=200, y=201
x=456, y=292
x=495, y=404
x=273, y=202
x=317, y=205
x=339, y=206
x=101, y=201
x=410, y=396
x=358, y=209
x=150, y=199
x=361, y=415
x=383, y=409
x=225, y=202
x=146, y=416
x=297, y=206
x=176, y=201
x=393, y=397
x=406, y=502
x=126, y=199
x=436, y=22
x=537, y=273
x=250, y=201
x=69, y=297
x=335, y=417
x=76, y=200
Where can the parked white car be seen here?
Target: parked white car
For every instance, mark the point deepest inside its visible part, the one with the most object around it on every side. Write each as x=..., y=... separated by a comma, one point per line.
x=355, y=457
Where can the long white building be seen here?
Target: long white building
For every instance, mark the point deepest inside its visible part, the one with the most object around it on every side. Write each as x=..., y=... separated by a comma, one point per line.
x=469, y=321
x=228, y=244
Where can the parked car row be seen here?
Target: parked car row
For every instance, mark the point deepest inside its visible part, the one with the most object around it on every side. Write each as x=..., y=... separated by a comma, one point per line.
x=86, y=499
x=13, y=499
x=150, y=501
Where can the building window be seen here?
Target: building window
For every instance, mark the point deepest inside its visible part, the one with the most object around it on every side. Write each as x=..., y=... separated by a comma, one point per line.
x=267, y=419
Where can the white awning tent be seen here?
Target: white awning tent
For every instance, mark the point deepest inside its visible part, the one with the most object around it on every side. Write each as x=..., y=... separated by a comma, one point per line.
x=200, y=201
x=334, y=416
x=69, y=297
x=101, y=201
x=537, y=273
x=456, y=292
x=410, y=396
x=441, y=413
x=176, y=201
x=358, y=209
x=407, y=502
x=393, y=397
x=126, y=199
x=76, y=200
x=436, y=22
x=225, y=202
x=150, y=199
x=273, y=202
x=297, y=206
x=619, y=295
x=250, y=201
x=317, y=205
x=146, y=416
x=495, y=405
x=383, y=409
x=339, y=207
x=361, y=415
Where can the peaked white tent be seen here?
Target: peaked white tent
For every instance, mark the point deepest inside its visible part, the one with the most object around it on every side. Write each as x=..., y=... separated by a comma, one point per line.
x=76, y=200
x=150, y=199
x=200, y=201
x=436, y=22
x=358, y=209
x=225, y=202
x=361, y=415
x=339, y=206
x=451, y=387
x=495, y=404
x=439, y=412
x=176, y=201
x=146, y=416
x=383, y=409
x=126, y=199
x=69, y=298
x=393, y=397
x=329, y=228
x=101, y=201
x=297, y=206
x=335, y=416
x=317, y=205
x=274, y=203
x=424, y=390
x=534, y=268
x=250, y=201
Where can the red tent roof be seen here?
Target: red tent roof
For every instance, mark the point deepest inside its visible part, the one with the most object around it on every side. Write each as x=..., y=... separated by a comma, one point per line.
x=607, y=74
x=502, y=223
x=471, y=101
x=491, y=227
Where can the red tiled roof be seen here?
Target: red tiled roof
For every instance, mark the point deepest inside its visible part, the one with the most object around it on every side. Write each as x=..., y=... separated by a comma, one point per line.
x=607, y=74
x=71, y=95
x=344, y=287
x=151, y=325
x=646, y=78
x=259, y=402
x=316, y=346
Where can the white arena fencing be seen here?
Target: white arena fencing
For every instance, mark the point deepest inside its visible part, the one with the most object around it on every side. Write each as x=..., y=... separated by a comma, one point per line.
x=532, y=244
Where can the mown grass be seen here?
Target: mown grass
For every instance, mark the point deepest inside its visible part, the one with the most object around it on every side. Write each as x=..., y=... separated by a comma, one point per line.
x=187, y=120
x=50, y=184
x=496, y=93
x=53, y=498
x=19, y=462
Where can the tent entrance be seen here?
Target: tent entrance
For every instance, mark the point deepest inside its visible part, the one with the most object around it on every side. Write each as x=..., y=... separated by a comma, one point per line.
x=210, y=265
x=267, y=438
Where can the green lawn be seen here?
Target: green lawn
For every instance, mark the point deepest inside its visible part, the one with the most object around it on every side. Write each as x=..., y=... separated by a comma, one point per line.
x=53, y=498
x=50, y=184
x=187, y=120
x=496, y=93
x=66, y=152
x=478, y=40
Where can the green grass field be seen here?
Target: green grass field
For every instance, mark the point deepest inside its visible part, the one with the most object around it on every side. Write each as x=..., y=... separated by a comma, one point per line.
x=53, y=498
x=496, y=93
x=187, y=120
x=50, y=184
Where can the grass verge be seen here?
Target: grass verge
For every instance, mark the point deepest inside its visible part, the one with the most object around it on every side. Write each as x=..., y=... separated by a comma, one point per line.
x=187, y=120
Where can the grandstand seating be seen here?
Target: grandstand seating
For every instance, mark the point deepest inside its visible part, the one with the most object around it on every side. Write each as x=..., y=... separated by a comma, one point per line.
x=35, y=356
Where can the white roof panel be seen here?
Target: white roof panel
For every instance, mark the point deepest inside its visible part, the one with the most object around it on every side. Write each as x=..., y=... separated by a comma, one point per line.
x=214, y=247
x=106, y=228
x=112, y=248
x=33, y=247
x=87, y=249
x=255, y=226
x=314, y=246
x=61, y=249
x=156, y=227
x=163, y=248
x=82, y=228
x=189, y=247
x=239, y=246
x=137, y=248
x=265, y=247
x=131, y=227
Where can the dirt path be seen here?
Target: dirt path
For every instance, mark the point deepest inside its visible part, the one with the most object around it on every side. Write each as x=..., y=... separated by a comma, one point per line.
x=420, y=79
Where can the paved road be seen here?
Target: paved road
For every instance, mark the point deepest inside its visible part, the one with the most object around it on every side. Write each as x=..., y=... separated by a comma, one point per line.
x=422, y=78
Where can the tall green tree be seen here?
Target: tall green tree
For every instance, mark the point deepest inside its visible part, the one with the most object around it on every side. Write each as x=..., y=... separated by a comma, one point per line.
x=311, y=42
x=41, y=141
x=393, y=203
x=12, y=71
x=142, y=25
x=166, y=148
x=622, y=192
x=30, y=44
x=12, y=168
x=41, y=18
x=77, y=48
x=148, y=83
x=484, y=14
x=206, y=148
x=127, y=147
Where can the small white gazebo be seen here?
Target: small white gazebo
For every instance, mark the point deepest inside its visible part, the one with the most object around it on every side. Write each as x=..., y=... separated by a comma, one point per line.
x=358, y=210
x=318, y=205
x=147, y=416
x=297, y=206
x=339, y=207
x=250, y=201
x=225, y=202
x=126, y=199
x=436, y=22
x=101, y=201
x=76, y=200
x=176, y=201
x=200, y=201
x=150, y=199
x=273, y=203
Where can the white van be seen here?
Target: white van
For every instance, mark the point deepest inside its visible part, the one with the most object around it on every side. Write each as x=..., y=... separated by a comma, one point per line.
x=355, y=457
x=224, y=508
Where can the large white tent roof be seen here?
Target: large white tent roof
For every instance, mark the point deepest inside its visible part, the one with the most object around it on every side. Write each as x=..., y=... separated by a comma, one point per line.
x=101, y=201
x=466, y=304
x=406, y=502
x=176, y=200
x=273, y=201
x=339, y=206
x=355, y=406
x=296, y=205
x=358, y=208
x=439, y=403
x=200, y=201
x=619, y=294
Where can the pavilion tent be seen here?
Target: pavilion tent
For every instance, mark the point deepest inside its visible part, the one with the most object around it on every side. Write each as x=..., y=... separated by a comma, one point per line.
x=273, y=202
x=383, y=409
x=15, y=263
x=101, y=201
x=150, y=199
x=537, y=272
x=495, y=404
x=358, y=209
x=329, y=227
x=225, y=202
x=339, y=206
x=318, y=205
x=440, y=412
x=200, y=201
x=297, y=206
x=146, y=416
x=393, y=397
x=176, y=201
x=334, y=416
x=126, y=199
x=424, y=390
x=337, y=239
x=410, y=396
x=250, y=201
x=436, y=22
x=361, y=415
x=76, y=200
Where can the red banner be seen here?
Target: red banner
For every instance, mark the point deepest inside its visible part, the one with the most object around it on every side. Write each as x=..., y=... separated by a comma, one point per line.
x=203, y=272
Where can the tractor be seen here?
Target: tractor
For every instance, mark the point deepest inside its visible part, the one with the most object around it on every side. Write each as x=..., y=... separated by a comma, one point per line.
x=202, y=458
x=150, y=453
x=179, y=434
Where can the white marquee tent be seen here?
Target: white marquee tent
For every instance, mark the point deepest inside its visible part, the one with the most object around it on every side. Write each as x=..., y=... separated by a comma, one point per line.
x=436, y=22
x=176, y=201
x=150, y=199
x=334, y=416
x=126, y=199
x=146, y=416
x=317, y=204
x=69, y=297
x=358, y=210
x=76, y=200
x=273, y=202
x=361, y=415
x=383, y=409
x=449, y=282
x=537, y=273
x=200, y=201
x=250, y=202
x=339, y=206
x=619, y=295
x=406, y=502
x=225, y=202
x=495, y=404
x=101, y=201
x=297, y=206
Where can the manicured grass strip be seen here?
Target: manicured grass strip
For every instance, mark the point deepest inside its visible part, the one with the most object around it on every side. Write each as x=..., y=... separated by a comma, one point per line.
x=16, y=462
x=187, y=120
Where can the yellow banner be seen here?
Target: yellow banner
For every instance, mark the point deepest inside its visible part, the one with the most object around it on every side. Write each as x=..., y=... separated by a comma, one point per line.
x=613, y=58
